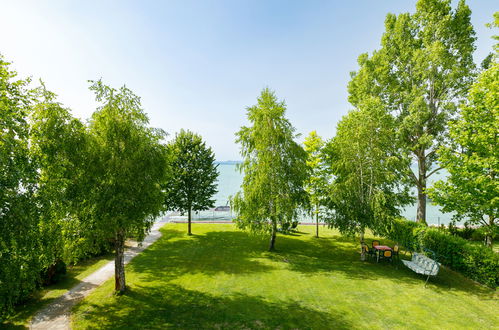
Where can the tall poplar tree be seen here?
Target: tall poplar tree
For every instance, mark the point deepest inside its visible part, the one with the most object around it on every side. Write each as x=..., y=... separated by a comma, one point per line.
x=126, y=171
x=423, y=69
x=274, y=167
x=193, y=177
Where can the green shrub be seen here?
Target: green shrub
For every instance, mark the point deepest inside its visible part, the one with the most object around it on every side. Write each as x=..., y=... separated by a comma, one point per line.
x=475, y=261
x=54, y=273
x=404, y=233
x=466, y=232
x=480, y=233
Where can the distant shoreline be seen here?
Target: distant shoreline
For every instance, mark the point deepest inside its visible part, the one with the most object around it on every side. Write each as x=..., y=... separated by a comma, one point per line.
x=228, y=162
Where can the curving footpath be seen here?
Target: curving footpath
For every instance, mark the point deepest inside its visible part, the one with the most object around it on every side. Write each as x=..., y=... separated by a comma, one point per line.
x=56, y=315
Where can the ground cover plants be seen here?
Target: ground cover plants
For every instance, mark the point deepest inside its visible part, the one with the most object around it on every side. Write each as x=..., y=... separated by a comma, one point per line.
x=40, y=298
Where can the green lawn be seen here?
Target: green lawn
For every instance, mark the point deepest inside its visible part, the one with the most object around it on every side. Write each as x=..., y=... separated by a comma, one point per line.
x=24, y=312
x=225, y=278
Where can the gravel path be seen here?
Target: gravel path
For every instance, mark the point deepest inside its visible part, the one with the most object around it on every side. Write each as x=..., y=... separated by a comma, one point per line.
x=56, y=315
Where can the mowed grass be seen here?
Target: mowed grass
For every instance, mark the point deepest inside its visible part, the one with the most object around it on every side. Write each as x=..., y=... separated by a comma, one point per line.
x=40, y=298
x=224, y=278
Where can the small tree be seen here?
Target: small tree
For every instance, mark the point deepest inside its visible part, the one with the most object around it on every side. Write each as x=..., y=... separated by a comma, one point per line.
x=274, y=169
x=368, y=188
x=194, y=175
x=127, y=168
x=472, y=158
x=317, y=181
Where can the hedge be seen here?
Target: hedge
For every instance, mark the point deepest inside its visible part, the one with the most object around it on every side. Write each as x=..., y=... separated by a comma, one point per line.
x=474, y=261
x=473, y=234
x=405, y=233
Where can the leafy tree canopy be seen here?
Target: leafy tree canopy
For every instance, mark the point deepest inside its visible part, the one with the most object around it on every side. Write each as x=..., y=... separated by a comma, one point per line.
x=192, y=183
x=127, y=168
x=368, y=188
x=472, y=158
x=317, y=181
x=274, y=167
x=19, y=265
x=423, y=69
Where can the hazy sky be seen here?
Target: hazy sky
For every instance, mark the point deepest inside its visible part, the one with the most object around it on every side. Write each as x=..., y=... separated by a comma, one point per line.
x=199, y=64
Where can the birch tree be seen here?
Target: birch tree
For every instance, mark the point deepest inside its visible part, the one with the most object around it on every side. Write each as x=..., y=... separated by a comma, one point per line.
x=368, y=187
x=127, y=168
x=274, y=167
x=317, y=180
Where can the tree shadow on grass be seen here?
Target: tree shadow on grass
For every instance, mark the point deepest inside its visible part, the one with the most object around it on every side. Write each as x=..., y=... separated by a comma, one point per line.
x=172, y=306
x=333, y=255
x=237, y=252
x=342, y=254
x=232, y=252
x=37, y=300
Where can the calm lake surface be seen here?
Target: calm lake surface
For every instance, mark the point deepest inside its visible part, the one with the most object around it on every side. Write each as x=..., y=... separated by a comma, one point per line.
x=229, y=182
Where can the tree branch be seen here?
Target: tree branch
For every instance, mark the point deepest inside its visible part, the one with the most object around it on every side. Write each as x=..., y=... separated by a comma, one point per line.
x=431, y=153
x=413, y=177
x=432, y=172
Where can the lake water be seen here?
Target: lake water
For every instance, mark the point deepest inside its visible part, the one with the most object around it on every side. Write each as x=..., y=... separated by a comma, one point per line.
x=229, y=182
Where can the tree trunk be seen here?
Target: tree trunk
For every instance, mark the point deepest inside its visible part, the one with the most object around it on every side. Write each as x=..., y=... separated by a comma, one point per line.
x=489, y=240
x=189, y=232
x=119, y=261
x=272, y=236
x=362, y=252
x=421, y=211
x=316, y=222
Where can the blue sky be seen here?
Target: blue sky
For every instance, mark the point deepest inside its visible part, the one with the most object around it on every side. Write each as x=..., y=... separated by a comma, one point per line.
x=199, y=64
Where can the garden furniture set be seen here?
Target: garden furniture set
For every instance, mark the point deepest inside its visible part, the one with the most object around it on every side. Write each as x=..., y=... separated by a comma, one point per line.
x=419, y=263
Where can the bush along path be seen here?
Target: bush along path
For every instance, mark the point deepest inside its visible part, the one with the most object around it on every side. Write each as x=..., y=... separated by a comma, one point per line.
x=57, y=314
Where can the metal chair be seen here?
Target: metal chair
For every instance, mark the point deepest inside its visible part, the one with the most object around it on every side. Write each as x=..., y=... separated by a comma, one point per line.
x=396, y=249
x=367, y=250
x=387, y=254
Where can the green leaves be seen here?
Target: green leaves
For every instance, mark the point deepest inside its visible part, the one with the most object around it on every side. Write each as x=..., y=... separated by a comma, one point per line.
x=274, y=167
x=368, y=186
x=127, y=165
x=126, y=171
x=472, y=158
x=422, y=71
x=318, y=179
x=193, y=177
x=19, y=265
